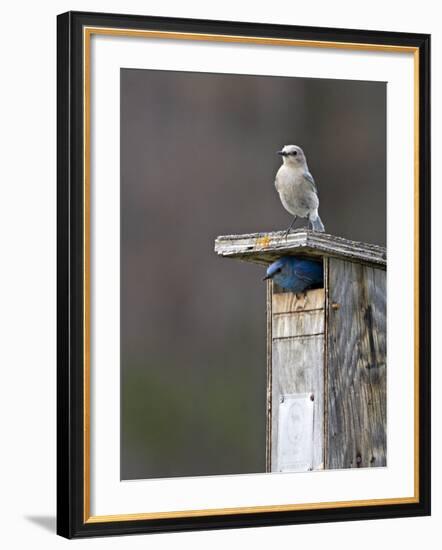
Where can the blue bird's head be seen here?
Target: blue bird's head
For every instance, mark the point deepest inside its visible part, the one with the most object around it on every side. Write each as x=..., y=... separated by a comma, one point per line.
x=275, y=268
x=296, y=274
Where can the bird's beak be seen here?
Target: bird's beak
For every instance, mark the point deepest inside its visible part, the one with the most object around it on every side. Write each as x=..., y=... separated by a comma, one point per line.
x=281, y=153
x=267, y=277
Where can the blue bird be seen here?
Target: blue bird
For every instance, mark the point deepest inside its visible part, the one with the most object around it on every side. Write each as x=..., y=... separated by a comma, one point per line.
x=296, y=274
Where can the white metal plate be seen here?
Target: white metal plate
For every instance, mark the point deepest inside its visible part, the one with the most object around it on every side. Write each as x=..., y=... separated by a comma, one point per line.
x=295, y=432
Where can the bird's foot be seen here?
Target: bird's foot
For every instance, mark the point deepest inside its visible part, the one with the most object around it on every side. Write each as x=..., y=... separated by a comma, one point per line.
x=301, y=298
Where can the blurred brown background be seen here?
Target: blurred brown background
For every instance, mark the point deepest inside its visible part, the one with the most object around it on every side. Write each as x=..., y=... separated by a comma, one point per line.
x=198, y=159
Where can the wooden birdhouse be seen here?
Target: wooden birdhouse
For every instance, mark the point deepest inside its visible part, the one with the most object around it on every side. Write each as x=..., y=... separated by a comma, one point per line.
x=326, y=353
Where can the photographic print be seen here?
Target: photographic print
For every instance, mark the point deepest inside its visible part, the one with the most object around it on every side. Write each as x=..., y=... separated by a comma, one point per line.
x=204, y=155
x=243, y=275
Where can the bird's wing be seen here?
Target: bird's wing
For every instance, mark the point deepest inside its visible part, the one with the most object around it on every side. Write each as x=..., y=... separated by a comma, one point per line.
x=309, y=178
x=276, y=182
x=307, y=271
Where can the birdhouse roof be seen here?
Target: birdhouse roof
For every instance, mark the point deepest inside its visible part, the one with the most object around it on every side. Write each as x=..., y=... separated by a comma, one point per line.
x=265, y=248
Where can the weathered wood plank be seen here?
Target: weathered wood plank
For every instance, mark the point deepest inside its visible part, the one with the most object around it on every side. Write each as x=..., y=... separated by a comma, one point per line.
x=265, y=248
x=269, y=292
x=286, y=302
x=356, y=366
x=300, y=323
x=298, y=366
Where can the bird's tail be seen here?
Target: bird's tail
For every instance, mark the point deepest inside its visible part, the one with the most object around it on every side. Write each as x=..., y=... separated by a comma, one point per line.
x=317, y=224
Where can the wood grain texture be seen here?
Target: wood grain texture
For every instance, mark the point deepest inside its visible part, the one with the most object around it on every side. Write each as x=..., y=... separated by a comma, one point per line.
x=269, y=292
x=298, y=362
x=265, y=248
x=308, y=323
x=356, y=366
x=287, y=302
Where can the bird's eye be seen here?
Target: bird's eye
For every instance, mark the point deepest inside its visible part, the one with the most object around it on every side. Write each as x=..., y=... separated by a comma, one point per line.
x=295, y=153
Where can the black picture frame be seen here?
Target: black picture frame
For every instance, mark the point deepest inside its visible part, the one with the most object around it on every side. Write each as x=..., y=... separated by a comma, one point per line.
x=72, y=520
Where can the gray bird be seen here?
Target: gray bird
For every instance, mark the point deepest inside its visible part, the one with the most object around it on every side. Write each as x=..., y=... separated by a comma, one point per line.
x=296, y=187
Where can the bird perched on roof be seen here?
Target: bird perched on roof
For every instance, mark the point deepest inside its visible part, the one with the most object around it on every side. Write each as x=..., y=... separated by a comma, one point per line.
x=296, y=274
x=296, y=187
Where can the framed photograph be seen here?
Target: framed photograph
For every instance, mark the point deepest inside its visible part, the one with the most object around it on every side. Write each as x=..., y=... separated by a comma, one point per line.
x=243, y=274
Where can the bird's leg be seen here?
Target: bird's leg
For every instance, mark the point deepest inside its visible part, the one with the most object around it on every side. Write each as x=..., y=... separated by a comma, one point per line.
x=290, y=226
x=301, y=295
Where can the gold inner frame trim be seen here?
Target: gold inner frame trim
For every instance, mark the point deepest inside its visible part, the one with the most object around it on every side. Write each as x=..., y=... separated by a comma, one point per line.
x=87, y=33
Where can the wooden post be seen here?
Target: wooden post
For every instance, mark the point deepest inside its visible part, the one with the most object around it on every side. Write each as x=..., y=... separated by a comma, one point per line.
x=326, y=353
